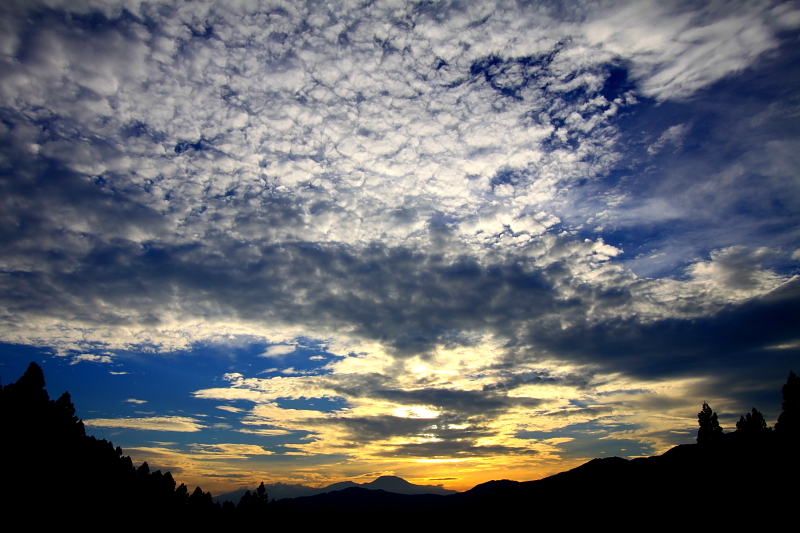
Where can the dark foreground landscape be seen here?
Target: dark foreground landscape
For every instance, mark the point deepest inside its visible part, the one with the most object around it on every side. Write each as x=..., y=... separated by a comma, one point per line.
x=56, y=475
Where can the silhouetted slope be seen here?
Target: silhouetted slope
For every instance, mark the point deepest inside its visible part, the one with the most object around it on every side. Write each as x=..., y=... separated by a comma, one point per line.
x=689, y=485
x=479, y=492
x=53, y=471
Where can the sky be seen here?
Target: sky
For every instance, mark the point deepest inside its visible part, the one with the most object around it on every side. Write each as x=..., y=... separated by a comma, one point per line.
x=451, y=241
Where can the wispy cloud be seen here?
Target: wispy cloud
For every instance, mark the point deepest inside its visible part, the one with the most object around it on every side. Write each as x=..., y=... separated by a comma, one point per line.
x=181, y=424
x=230, y=408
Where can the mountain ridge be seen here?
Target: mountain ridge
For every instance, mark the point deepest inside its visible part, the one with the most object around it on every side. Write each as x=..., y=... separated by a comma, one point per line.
x=688, y=484
x=391, y=484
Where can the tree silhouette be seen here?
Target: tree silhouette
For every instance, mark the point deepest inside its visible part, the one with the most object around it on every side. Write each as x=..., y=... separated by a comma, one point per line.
x=788, y=424
x=44, y=439
x=253, y=506
x=64, y=415
x=710, y=429
x=752, y=423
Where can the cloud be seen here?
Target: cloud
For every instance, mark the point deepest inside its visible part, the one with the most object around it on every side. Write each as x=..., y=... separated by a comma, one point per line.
x=672, y=136
x=676, y=51
x=231, y=394
x=264, y=432
x=736, y=270
x=230, y=408
x=134, y=400
x=230, y=451
x=180, y=424
x=469, y=185
x=392, y=418
x=91, y=358
x=498, y=218
x=455, y=449
x=278, y=350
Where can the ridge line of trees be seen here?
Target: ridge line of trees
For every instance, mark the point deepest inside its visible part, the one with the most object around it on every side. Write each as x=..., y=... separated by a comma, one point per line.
x=43, y=441
x=752, y=425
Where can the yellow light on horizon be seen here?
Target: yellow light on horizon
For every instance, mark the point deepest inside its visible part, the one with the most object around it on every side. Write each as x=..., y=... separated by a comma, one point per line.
x=441, y=460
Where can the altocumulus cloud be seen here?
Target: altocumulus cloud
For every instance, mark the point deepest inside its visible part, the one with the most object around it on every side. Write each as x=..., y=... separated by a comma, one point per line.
x=500, y=220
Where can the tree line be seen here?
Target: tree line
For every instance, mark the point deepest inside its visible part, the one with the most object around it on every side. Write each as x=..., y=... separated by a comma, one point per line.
x=53, y=469
x=752, y=426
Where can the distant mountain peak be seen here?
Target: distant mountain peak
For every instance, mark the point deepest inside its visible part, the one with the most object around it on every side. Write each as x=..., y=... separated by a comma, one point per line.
x=394, y=480
x=401, y=486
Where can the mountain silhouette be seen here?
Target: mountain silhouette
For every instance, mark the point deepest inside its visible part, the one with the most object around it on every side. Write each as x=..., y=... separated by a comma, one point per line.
x=393, y=484
x=688, y=486
x=399, y=485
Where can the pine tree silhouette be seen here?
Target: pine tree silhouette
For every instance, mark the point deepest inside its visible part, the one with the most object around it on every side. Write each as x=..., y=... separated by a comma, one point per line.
x=788, y=424
x=710, y=430
x=752, y=424
x=44, y=440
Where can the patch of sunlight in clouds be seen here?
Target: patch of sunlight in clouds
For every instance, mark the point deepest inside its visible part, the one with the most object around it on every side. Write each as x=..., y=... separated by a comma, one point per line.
x=478, y=417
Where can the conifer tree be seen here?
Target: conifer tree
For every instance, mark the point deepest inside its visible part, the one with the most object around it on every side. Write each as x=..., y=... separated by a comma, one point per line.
x=710, y=429
x=788, y=424
x=752, y=423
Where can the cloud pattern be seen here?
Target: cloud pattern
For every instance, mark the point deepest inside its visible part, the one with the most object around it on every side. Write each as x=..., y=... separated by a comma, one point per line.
x=501, y=220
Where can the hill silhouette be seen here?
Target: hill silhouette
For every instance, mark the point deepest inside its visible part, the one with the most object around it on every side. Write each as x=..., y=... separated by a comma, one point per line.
x=54, y=472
